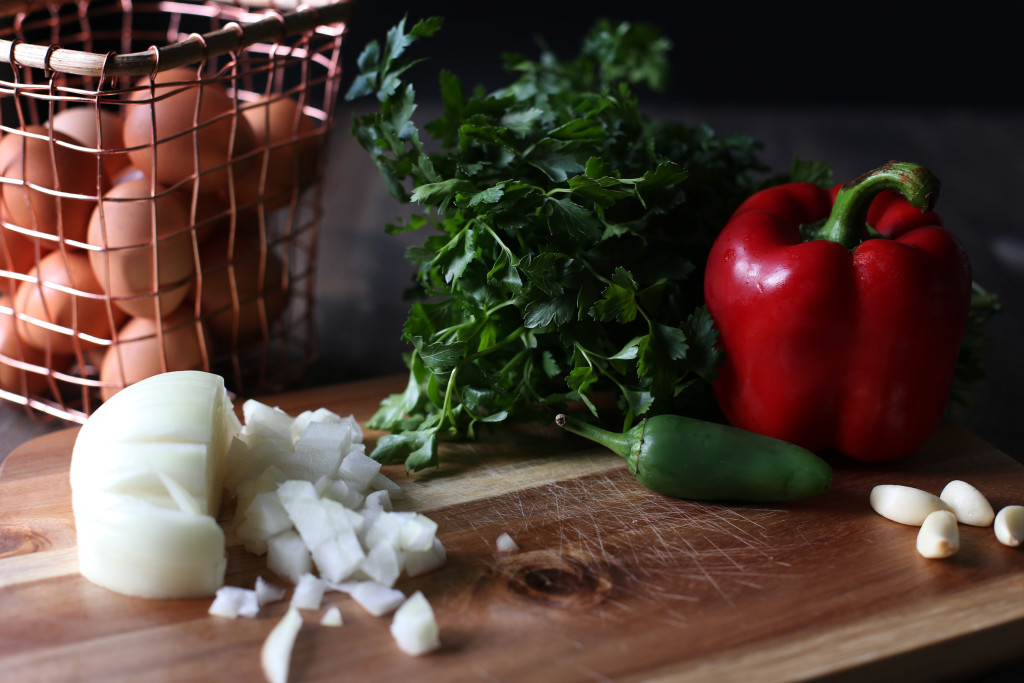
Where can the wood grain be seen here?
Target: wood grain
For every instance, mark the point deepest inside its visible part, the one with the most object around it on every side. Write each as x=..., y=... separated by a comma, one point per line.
x=611, y=581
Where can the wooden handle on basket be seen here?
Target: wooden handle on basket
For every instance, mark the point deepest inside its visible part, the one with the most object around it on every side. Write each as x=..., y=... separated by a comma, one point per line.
x=246, y=30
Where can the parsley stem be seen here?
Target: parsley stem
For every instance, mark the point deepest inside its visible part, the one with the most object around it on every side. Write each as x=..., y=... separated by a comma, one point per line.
x=612, y=377
x=447, y=407
x=512, y=258
x=590, y=268
x=514, y=336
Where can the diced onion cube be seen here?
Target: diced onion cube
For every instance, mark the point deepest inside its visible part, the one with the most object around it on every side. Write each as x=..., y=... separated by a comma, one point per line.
x=341, y=491
x=381, y=483
x=505, y=543
x=264, y=517
x=378, y=500
x=267, y=592
x=234, y=601
x=414, y=627
x=376, y=598
x=422, y=561
x=358, y=469
x=383, y=564
x=288, y=556
x=417, y=531
x=332, y=617
x=308, y=593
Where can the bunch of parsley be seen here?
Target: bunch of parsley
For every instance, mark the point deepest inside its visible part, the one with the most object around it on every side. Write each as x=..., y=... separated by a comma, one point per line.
x=568, y=235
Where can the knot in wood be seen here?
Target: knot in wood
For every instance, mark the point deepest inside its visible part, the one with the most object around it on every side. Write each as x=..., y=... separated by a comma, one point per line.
x=564, y=580
x=21, y=540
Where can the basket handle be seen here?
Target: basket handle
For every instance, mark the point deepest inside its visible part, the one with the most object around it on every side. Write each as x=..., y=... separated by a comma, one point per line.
x=306, y=16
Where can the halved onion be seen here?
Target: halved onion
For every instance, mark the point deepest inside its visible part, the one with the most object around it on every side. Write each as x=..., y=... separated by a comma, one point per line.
x=146, y=480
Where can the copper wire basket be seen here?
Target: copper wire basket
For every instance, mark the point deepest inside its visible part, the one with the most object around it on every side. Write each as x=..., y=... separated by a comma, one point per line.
x=160, y=186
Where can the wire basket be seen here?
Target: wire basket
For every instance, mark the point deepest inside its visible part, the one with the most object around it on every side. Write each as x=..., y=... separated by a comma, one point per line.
x=160, y=193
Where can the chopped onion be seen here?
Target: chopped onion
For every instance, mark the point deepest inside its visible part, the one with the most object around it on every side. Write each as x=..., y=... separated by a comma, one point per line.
x=234, y=601
x=358, y=469
x=339, y=490
x=380, y=482
x=332, y=617
x=414, y=627
x=308, y=593
x=378, y=500
x=417, y=532
x=383, y=564
x=336, y=500
x=148, y=470
x=288, y=556
x=505, y=543
x=267, y=592
x=276, y=653
x=264, y=517
x=376, y=598
x=418, y=562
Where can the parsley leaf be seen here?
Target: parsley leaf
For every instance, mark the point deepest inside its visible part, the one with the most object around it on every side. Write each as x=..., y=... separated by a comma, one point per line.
x=565, y=237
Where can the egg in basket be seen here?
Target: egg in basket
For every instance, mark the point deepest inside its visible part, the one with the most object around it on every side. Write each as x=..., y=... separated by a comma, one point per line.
x=160, y=168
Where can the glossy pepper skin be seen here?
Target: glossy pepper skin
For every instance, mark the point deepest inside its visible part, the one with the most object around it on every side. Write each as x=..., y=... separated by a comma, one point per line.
x=841, y=337
x=686, y=458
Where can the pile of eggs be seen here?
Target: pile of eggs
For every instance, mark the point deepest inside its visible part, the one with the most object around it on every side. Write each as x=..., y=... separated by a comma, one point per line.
x=79, y=218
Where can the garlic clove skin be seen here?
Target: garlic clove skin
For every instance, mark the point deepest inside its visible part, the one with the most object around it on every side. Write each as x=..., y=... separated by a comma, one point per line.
x=939, y=536
x=905, y=504
x=967, y=503
x=1009, y=525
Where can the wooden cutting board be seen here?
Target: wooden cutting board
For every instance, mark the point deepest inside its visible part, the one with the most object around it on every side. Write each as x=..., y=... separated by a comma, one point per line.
x=611, y=581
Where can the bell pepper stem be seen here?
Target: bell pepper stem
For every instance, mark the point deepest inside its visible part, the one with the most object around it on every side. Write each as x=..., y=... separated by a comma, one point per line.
x=847, y=223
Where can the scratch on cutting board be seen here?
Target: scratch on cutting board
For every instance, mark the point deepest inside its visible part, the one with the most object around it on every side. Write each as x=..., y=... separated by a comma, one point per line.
x=645, y=537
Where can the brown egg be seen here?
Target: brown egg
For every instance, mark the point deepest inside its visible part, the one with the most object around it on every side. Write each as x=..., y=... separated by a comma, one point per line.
x=19, y=379
x=19, y=251
x=288, y=150
x=50, y=301
x=80, y=122
x=55, y=167
x=211, y=213
x=259, y=290
x=127, y=173
x=142, y=281
x=177, y=138
x=142, y=352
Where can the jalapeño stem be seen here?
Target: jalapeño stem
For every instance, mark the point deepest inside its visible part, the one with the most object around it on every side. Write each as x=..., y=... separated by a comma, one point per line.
x=847, y=223
x=626, y=444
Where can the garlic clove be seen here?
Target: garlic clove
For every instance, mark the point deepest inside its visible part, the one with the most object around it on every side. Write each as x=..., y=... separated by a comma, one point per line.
x=939, y=536
x=967, y=503
x=905, y=504
x=1009, y=525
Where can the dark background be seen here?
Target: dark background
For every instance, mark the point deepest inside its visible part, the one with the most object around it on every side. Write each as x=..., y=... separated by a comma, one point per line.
x=893, y=54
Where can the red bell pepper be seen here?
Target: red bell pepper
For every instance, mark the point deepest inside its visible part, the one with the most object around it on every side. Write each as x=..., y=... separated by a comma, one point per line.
x=838, y=335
